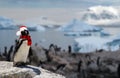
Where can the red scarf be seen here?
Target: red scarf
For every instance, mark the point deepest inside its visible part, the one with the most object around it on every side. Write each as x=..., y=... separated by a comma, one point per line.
x=27, y=37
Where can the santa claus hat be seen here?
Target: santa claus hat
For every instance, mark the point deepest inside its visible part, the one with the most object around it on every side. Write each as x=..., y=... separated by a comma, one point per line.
x=22, y=28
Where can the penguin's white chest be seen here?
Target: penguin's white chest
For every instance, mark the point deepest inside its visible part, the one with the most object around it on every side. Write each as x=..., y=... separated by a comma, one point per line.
x=22, y=53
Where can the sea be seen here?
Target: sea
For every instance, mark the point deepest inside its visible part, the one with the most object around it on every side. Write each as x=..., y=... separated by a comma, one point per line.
x=44, y=39
x=50, y=36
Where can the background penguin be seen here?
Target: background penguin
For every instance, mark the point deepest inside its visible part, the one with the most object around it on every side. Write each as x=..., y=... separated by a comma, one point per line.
x=22, y=47
x=118, y=70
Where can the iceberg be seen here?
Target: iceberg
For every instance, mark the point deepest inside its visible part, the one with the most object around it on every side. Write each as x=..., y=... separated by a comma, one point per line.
x=35, y=27
x=90, y=44
x=114, y=43
x=6, y=23
x=44, y=21
x=78, y=28
x=93, y=43
x=104, y=34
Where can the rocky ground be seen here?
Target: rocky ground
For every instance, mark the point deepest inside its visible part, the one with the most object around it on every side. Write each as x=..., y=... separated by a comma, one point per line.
x=8, y=71
x=99, y=64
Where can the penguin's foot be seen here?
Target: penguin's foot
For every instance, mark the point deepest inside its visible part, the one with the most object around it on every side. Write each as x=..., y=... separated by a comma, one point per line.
x=18, y=64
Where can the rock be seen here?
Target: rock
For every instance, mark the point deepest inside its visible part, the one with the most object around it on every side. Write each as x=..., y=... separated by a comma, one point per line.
x=8, y=71
x=38, y=55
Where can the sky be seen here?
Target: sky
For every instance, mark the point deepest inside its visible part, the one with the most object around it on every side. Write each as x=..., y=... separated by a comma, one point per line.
x=56, y=10
x=56, y=3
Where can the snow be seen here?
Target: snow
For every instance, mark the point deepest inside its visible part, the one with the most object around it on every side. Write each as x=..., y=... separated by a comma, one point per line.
x=100, y=15
x=78, y=26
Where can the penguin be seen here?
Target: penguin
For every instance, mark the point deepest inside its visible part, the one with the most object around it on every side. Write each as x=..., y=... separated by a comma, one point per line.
x=118, y=70
x=22, y=47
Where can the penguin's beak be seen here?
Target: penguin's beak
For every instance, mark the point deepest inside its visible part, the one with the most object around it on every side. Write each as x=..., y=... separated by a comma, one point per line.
x=18, y=33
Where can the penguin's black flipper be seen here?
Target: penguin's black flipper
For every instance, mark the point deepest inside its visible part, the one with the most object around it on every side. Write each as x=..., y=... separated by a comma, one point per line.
x=17, y=45
x=30, y=55
x=30, y=52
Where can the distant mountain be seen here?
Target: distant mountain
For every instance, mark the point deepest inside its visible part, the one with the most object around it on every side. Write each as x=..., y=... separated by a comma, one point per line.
x=101, y=15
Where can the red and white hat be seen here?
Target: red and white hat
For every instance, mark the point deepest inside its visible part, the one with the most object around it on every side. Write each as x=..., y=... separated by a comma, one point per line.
x=22, y=28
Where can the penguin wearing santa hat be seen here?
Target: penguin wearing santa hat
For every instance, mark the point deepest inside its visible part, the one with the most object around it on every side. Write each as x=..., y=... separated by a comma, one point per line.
x=22, y=47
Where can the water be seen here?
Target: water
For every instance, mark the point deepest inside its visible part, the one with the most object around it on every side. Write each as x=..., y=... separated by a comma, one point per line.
x=7, y=38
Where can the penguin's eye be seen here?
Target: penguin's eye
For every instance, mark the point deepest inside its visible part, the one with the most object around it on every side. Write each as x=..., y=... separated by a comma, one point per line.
x=25, y=32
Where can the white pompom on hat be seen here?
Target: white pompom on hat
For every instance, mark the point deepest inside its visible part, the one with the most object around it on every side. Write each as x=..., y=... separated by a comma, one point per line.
x=22, y=28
